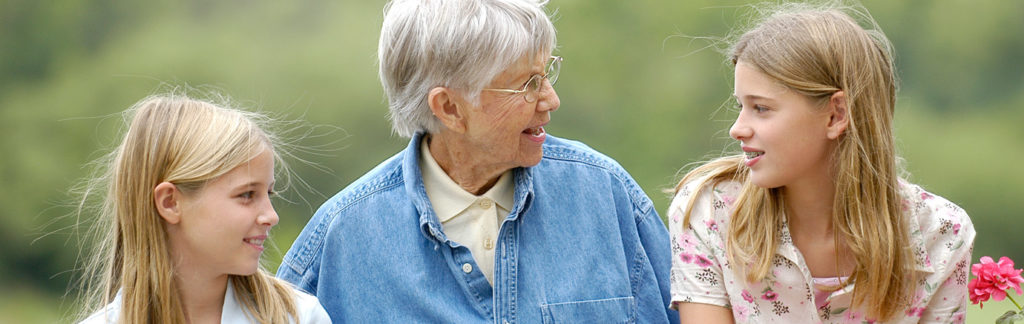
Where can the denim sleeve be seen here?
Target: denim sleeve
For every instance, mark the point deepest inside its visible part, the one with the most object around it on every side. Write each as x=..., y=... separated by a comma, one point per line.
x=301, y=263
x=656, y=245
x=286, y=273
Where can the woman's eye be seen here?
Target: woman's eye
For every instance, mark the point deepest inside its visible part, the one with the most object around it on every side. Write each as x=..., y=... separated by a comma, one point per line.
x=247, y=194
x=760, y=108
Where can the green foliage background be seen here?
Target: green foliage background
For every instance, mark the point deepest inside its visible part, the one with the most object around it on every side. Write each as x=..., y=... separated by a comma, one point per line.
x=636, y=85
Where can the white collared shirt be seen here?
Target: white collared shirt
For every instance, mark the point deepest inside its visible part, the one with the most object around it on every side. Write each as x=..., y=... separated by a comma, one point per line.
x=308, y=308
x=472, y=221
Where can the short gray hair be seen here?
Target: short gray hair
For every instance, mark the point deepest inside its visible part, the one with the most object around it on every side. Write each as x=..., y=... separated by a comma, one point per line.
x=460, y=44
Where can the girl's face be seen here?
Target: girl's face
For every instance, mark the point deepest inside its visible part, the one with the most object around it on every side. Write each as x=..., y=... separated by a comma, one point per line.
x=783, y=133
x=224, y=224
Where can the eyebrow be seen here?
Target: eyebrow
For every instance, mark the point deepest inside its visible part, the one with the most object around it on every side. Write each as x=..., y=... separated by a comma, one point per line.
x=252, y=184
x=753, y=97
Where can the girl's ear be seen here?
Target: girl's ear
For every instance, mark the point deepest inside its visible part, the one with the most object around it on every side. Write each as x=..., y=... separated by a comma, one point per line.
x=839, y=115
x=167, y=199
x=443, y=103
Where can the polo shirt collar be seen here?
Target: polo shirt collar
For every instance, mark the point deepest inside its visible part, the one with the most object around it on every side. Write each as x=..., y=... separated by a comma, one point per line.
x=448, y=198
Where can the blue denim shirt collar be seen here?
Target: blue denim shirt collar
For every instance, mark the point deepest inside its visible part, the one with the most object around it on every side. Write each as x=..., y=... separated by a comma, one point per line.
x=430, y=225
x=360, y=255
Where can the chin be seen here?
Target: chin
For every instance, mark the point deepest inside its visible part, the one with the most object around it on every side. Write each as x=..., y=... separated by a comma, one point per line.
x=248, y=270
x=763, y=183
x=531, y=161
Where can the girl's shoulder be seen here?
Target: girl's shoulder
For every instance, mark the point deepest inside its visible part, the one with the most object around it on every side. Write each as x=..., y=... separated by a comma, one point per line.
x=931, y=211
x=708, y=201
x=309, y=308
x=716, y=190
x=939, y=229
x=107, y=314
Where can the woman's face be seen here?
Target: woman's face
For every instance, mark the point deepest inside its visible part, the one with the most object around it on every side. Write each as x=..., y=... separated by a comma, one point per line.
x=224, y=224
x=504, y=130
x=783, y=133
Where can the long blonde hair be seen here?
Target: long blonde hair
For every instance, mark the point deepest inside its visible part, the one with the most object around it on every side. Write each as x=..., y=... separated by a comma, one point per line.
x=816, y=52
x=187, y=142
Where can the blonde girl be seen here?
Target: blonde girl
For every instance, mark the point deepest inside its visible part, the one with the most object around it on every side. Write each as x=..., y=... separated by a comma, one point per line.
x=185, y=215
x=811, y=223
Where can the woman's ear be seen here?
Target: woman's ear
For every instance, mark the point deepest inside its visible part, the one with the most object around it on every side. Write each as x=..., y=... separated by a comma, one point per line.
x=167, y=199
x=839, y=115
x=443, y=103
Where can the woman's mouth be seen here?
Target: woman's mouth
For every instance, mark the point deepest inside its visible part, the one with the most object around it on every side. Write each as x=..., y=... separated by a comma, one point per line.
x=536, y=134
x=534, y=131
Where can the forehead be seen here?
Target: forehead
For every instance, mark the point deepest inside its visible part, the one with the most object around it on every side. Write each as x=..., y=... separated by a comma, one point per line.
x=522, y=68
x=259, y=170
x=750, y=81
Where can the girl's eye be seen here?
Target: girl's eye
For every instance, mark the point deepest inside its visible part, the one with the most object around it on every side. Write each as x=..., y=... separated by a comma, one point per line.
x=760, y=108
x=247, y=194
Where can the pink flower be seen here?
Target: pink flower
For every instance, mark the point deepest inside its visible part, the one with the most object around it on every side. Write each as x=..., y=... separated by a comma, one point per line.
x=746, y=296
x=925, y=196
x=688, y=258
x=702, y=261
x=728, y=199
x=993, y=279
x=852, y=315
x=956, y=229
x=915, y=311
x=686, y=241
x=712, y=225
x=769, y=295
x=741, y=311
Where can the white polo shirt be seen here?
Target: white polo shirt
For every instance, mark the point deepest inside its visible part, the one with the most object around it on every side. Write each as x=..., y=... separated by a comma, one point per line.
x=472, y=221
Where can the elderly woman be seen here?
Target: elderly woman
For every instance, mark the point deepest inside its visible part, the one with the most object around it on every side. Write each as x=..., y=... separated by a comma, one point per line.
x=484, y=217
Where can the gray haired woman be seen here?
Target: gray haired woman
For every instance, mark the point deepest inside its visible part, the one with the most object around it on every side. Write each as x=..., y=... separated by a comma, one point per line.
x=484, y=217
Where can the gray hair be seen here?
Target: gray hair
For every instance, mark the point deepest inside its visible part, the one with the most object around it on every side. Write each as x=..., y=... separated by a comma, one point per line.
x=461, y=44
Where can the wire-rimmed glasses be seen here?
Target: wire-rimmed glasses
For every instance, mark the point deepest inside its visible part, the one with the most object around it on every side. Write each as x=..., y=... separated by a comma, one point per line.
x=531, y=90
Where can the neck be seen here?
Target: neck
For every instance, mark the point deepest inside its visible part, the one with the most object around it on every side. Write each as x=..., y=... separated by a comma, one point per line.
x=466, y=167
x=809, y=206
x=202, y=295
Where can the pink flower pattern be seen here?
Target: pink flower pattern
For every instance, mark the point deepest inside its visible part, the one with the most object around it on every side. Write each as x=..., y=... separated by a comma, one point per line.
x=769, y=295
x=703, y=274
x=746, y=296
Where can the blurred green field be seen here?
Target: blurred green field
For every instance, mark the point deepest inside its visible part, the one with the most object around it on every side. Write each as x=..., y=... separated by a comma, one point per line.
x=637, y=84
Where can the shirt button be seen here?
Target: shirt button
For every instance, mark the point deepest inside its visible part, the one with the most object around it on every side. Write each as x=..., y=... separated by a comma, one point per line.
x=467, y=268
x=488, y=243
x=485, y=203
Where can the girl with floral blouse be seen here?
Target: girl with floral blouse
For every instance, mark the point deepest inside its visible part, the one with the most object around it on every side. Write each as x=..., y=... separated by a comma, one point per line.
x=812, y=222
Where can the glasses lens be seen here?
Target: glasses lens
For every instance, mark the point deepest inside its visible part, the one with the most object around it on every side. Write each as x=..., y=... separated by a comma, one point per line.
x=553, y=68
x=533, y=88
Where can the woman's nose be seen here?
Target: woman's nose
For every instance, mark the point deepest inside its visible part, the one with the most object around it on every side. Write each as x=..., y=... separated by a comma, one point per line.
x=548, y=99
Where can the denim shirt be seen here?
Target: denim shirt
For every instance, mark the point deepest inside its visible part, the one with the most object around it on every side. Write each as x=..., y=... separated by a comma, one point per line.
x=583, y=243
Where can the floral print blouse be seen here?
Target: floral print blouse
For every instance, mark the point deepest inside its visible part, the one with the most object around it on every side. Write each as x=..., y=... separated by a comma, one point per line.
x=940, y=230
